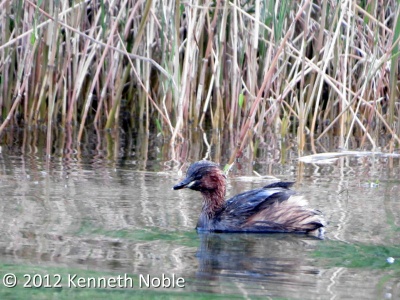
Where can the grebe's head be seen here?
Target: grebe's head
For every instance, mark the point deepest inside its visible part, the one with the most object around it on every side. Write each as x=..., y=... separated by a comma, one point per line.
x=203, y=176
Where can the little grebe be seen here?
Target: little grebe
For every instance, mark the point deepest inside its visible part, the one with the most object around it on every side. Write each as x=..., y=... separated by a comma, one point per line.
x=273, y=208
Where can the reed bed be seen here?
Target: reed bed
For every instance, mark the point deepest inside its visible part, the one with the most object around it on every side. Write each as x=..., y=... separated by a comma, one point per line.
x=308, y=68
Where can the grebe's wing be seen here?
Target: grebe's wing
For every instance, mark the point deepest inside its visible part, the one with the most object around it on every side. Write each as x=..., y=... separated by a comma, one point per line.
x=248, y=203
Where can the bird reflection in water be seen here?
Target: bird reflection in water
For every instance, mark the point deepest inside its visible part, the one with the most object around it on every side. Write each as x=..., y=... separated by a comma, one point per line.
x=259, y=259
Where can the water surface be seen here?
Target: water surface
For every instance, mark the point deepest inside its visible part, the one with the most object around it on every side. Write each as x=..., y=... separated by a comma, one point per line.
x=99, y=218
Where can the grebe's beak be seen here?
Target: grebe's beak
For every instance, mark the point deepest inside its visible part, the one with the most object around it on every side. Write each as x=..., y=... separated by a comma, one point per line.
x=186, y=183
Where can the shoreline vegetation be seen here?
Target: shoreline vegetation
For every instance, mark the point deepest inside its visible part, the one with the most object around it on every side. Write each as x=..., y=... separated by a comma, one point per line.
x=308, y=69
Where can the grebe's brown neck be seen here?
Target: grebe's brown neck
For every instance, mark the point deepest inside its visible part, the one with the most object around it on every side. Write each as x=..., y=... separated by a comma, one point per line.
x=214, y=199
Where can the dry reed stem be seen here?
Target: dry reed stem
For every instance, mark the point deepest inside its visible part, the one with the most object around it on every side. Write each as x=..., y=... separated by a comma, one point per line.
x=210, y=64
x=265, y=86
